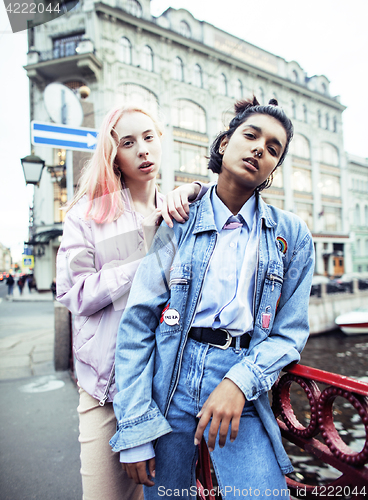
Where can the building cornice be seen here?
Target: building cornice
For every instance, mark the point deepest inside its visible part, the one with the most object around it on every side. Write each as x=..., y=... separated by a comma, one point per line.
x=194, y=45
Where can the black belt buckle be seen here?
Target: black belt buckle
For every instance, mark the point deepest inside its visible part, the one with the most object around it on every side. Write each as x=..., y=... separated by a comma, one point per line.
x=227, y=344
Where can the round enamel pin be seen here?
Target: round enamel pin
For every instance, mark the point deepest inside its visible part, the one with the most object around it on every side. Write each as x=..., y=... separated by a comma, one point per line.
x=171, y=317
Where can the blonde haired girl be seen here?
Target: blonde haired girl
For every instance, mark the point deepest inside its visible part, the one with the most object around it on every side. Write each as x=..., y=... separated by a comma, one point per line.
x=108, y=228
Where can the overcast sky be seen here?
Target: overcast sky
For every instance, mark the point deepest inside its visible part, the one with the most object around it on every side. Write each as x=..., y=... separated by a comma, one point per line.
x=328, y=37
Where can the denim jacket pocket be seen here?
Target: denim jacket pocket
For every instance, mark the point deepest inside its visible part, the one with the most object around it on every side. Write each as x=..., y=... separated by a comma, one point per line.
x=171, y=320
x=272, y=289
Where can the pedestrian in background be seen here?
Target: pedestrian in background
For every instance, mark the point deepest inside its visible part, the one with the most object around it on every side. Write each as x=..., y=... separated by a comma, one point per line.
x=217, y=309
x=107, y=231
x=53, y=288
x=21, y=284
x=10, y=283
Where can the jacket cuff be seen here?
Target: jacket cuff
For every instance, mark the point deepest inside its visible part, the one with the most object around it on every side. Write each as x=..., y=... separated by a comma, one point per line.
x=134, y=432
x=249, y=379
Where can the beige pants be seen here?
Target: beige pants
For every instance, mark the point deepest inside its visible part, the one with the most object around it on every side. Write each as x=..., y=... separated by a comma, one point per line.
x=102, y=475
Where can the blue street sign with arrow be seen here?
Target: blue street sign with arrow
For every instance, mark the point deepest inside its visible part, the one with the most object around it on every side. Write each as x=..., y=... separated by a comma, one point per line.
x=63, y=136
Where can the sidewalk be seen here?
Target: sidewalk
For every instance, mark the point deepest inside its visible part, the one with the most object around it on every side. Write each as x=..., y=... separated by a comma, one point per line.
x=28, y=296
x=39, y=457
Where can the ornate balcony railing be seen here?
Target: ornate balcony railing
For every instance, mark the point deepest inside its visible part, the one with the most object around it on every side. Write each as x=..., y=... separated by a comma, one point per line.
x=320, y=438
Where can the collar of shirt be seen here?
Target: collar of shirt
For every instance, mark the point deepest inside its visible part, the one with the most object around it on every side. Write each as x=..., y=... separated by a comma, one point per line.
x=222, y=213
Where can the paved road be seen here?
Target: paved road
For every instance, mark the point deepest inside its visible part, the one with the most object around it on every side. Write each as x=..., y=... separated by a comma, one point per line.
x=39, y=449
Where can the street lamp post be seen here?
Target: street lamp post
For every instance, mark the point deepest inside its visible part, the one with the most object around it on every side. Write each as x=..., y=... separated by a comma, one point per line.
x=32, y=168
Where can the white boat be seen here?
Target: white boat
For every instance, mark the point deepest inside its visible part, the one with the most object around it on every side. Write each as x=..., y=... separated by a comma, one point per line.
x=353, y=322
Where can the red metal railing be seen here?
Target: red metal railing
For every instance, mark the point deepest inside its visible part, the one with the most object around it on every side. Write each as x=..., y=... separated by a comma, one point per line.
x=329, y=447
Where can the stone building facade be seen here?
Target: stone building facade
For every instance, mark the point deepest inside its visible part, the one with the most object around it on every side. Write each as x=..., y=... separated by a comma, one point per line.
x=358, y=211
x=190, y=73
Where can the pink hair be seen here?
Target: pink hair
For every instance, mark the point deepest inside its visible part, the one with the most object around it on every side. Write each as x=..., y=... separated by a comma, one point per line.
x=101, y=179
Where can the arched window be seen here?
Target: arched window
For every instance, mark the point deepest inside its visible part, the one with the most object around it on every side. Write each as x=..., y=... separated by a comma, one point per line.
x=366, y=248
x=134, y=8
x=319, y=118
x=366, y=215
x=293, y=109
x=300, y=146
x=329, y=154
x=223, y=84
x=327, y=121
x=187, y=114
x=324, y=88
x=184, y=29
x=198, y=76
x=305, y=113
x=261, y=96
x=147, y=61
x=125, y=50
x=130, y=92
x=238, y=90
x=295, y=76
x=358, y=247
x=357, y=215
x=178, y=69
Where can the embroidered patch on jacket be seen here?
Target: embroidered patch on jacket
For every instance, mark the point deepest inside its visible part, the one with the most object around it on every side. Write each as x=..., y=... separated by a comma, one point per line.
x=282, y=244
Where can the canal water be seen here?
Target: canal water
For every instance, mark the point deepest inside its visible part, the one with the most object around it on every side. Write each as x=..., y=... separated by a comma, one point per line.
x=345, y=355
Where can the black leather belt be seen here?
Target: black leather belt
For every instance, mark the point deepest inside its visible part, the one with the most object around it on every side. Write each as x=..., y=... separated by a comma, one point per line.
x=219, y=338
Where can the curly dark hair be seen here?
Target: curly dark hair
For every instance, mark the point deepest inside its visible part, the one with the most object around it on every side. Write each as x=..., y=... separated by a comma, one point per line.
x=243, y=110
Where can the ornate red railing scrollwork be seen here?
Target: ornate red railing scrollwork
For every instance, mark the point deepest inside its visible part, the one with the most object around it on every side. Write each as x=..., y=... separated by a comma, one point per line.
x=353, y=482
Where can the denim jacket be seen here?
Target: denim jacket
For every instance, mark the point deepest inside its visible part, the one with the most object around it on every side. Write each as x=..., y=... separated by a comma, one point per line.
x=149, y=349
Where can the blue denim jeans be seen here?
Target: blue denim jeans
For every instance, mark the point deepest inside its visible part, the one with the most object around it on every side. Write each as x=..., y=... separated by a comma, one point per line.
x=246, y=467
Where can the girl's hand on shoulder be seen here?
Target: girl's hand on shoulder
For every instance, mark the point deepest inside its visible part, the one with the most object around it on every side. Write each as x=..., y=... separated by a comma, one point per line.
x=138, y=471
x=176, y=204
x=224, y=405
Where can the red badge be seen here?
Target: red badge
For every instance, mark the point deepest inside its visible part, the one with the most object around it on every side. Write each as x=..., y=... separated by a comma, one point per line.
x=163, y=312
x=266, y=318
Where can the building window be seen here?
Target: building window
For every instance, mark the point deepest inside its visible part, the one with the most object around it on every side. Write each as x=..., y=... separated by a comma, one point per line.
x=305, y=212
x=327, y=121
x=198, y=76
x=189, y=158
x=332, y=219
x=125, y=50
x=261, y=96
x=130, y=92
x=305, y=113
x=295, y=76
x=366, y=215
x=60, y=198
x=334, y=124
x=278, y=178
x=319, y=117
x=184, y=29
x=293, y=109
x=223, y=84
x=302, y=180
x=357, y=247
x=134, y=8
x=300, y=147
x=330, y=185
x=329, y=154
x=178, y=69
x=238, y=90
x=357, y=215
x=64, y=47
x=188, y=115
x=147, y=62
